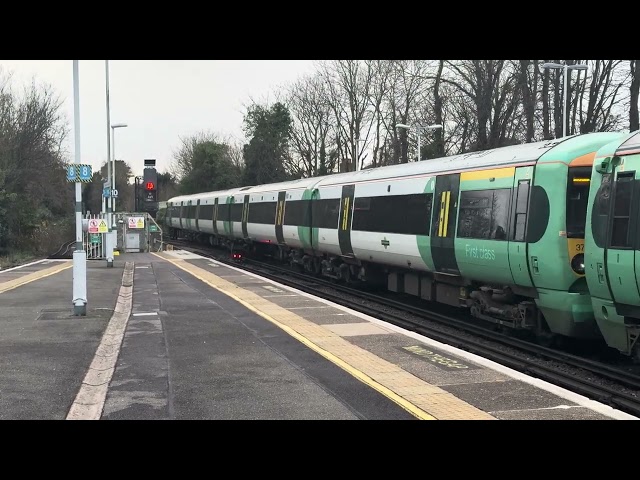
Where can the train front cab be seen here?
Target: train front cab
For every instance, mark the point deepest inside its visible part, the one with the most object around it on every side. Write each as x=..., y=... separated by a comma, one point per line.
x=612, y=246
x=555, y=235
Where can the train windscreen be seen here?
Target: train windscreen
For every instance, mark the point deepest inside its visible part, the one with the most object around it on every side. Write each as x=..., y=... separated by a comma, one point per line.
x=577, y=197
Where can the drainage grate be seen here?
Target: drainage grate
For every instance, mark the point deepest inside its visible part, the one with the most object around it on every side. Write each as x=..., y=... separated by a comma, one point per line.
x=66, y=313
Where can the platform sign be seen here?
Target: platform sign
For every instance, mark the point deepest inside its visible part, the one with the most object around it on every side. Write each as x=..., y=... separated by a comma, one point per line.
x=136, y=222
x=102, y=226
x=79, y=173
x=93, y=225
x=71, y=173
x=84, y=173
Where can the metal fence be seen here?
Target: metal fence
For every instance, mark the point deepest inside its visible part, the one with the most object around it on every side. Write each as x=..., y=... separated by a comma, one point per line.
x=94, y=230
x=136, y=232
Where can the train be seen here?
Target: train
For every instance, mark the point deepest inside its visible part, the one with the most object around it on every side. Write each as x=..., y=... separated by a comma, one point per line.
x=520, y=235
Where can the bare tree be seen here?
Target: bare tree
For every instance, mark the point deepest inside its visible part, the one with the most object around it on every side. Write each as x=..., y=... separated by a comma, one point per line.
x=182, y=157
x=491, y=87
x=348, y=83
x=309, y=103
x=528, y=85
x=602, y=95
x=634, y=90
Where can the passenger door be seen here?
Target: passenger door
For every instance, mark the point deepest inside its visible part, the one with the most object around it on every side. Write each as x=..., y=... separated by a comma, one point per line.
x=517, y=234
x=215, y=216
x=280, y=217
x=621, y=256
x=228, y=224
x=197, y=207
x=344, y=222
x=443, y=224
x=245, y=216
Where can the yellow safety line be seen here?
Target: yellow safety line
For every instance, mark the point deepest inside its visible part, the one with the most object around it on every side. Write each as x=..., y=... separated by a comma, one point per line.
x=31, y=277
x=411, y=408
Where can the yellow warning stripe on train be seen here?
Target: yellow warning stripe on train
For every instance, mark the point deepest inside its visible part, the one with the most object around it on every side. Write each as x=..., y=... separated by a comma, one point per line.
x=487, y=174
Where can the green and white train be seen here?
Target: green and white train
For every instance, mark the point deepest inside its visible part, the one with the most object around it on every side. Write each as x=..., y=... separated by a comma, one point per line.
x=502, y=232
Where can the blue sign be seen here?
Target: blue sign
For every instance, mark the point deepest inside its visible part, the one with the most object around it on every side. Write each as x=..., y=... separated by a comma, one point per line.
x=71, y=173
x=85, y=173
x=106, y=192
x=79, y=173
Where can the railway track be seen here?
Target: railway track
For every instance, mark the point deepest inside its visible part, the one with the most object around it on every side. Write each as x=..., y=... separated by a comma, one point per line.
x=598, y=381
x=65, y=251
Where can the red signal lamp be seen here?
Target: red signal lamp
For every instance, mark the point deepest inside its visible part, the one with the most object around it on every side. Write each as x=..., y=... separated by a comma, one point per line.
x=150, y=186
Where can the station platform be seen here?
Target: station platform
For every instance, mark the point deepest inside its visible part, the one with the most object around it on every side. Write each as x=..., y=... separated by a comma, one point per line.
x=174, y=335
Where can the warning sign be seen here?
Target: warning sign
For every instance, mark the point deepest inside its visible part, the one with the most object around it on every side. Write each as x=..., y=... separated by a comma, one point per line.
x=102, y=227
x=136, y=222
x=93, y=225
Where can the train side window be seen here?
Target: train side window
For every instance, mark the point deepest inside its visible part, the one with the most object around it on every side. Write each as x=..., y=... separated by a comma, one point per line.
x=296, y=213
x=235, y=212
x=484, y=214
x=324, y=213
x=206, y=212
x=262, y=212
x=622, y=210
x=404, y=214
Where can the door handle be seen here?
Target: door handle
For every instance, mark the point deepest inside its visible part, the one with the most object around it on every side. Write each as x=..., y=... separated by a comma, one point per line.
x=600, y=272
x=534, y=265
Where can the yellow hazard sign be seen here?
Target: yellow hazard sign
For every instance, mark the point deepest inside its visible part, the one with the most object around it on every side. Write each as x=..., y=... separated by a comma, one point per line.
x=136, y=222
x=102, y=227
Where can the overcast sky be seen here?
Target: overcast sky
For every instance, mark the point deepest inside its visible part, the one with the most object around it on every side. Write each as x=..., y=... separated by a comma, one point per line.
x=160, y=100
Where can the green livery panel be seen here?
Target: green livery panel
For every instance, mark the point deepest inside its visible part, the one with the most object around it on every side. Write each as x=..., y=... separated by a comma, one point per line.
x=612, y=245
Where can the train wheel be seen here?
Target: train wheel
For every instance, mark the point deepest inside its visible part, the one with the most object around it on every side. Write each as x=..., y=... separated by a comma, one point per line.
x=543, y=335
x=635, y=355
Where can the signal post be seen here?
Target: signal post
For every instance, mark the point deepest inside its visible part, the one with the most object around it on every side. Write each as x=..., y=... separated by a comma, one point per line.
x=150, y=187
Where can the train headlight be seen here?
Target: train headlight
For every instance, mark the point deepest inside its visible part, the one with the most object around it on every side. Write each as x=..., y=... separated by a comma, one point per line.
x=577, y=263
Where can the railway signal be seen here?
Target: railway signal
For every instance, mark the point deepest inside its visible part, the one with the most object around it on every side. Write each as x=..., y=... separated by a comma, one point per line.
x=150, y=185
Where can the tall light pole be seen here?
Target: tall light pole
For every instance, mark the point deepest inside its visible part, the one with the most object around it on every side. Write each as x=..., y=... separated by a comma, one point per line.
x=418, y=128
x=566, y=68
x=113, y=143
x=108, y=246
x=79, y=255
x=113, y=228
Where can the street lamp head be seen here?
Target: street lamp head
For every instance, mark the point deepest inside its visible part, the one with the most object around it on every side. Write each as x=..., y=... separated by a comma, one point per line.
x=433, y=127
x=552, y=65
x=119, y=125
x=402, y=125
x=568, y=67
x=577, y=67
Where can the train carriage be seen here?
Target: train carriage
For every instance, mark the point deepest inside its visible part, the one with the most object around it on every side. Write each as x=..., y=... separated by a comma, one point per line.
x=612, y=243
x=500, y=232
x=278, y=213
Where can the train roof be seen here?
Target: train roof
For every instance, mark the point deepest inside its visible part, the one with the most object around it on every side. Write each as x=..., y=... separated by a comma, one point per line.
x=631, y=145
x=526, y=153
